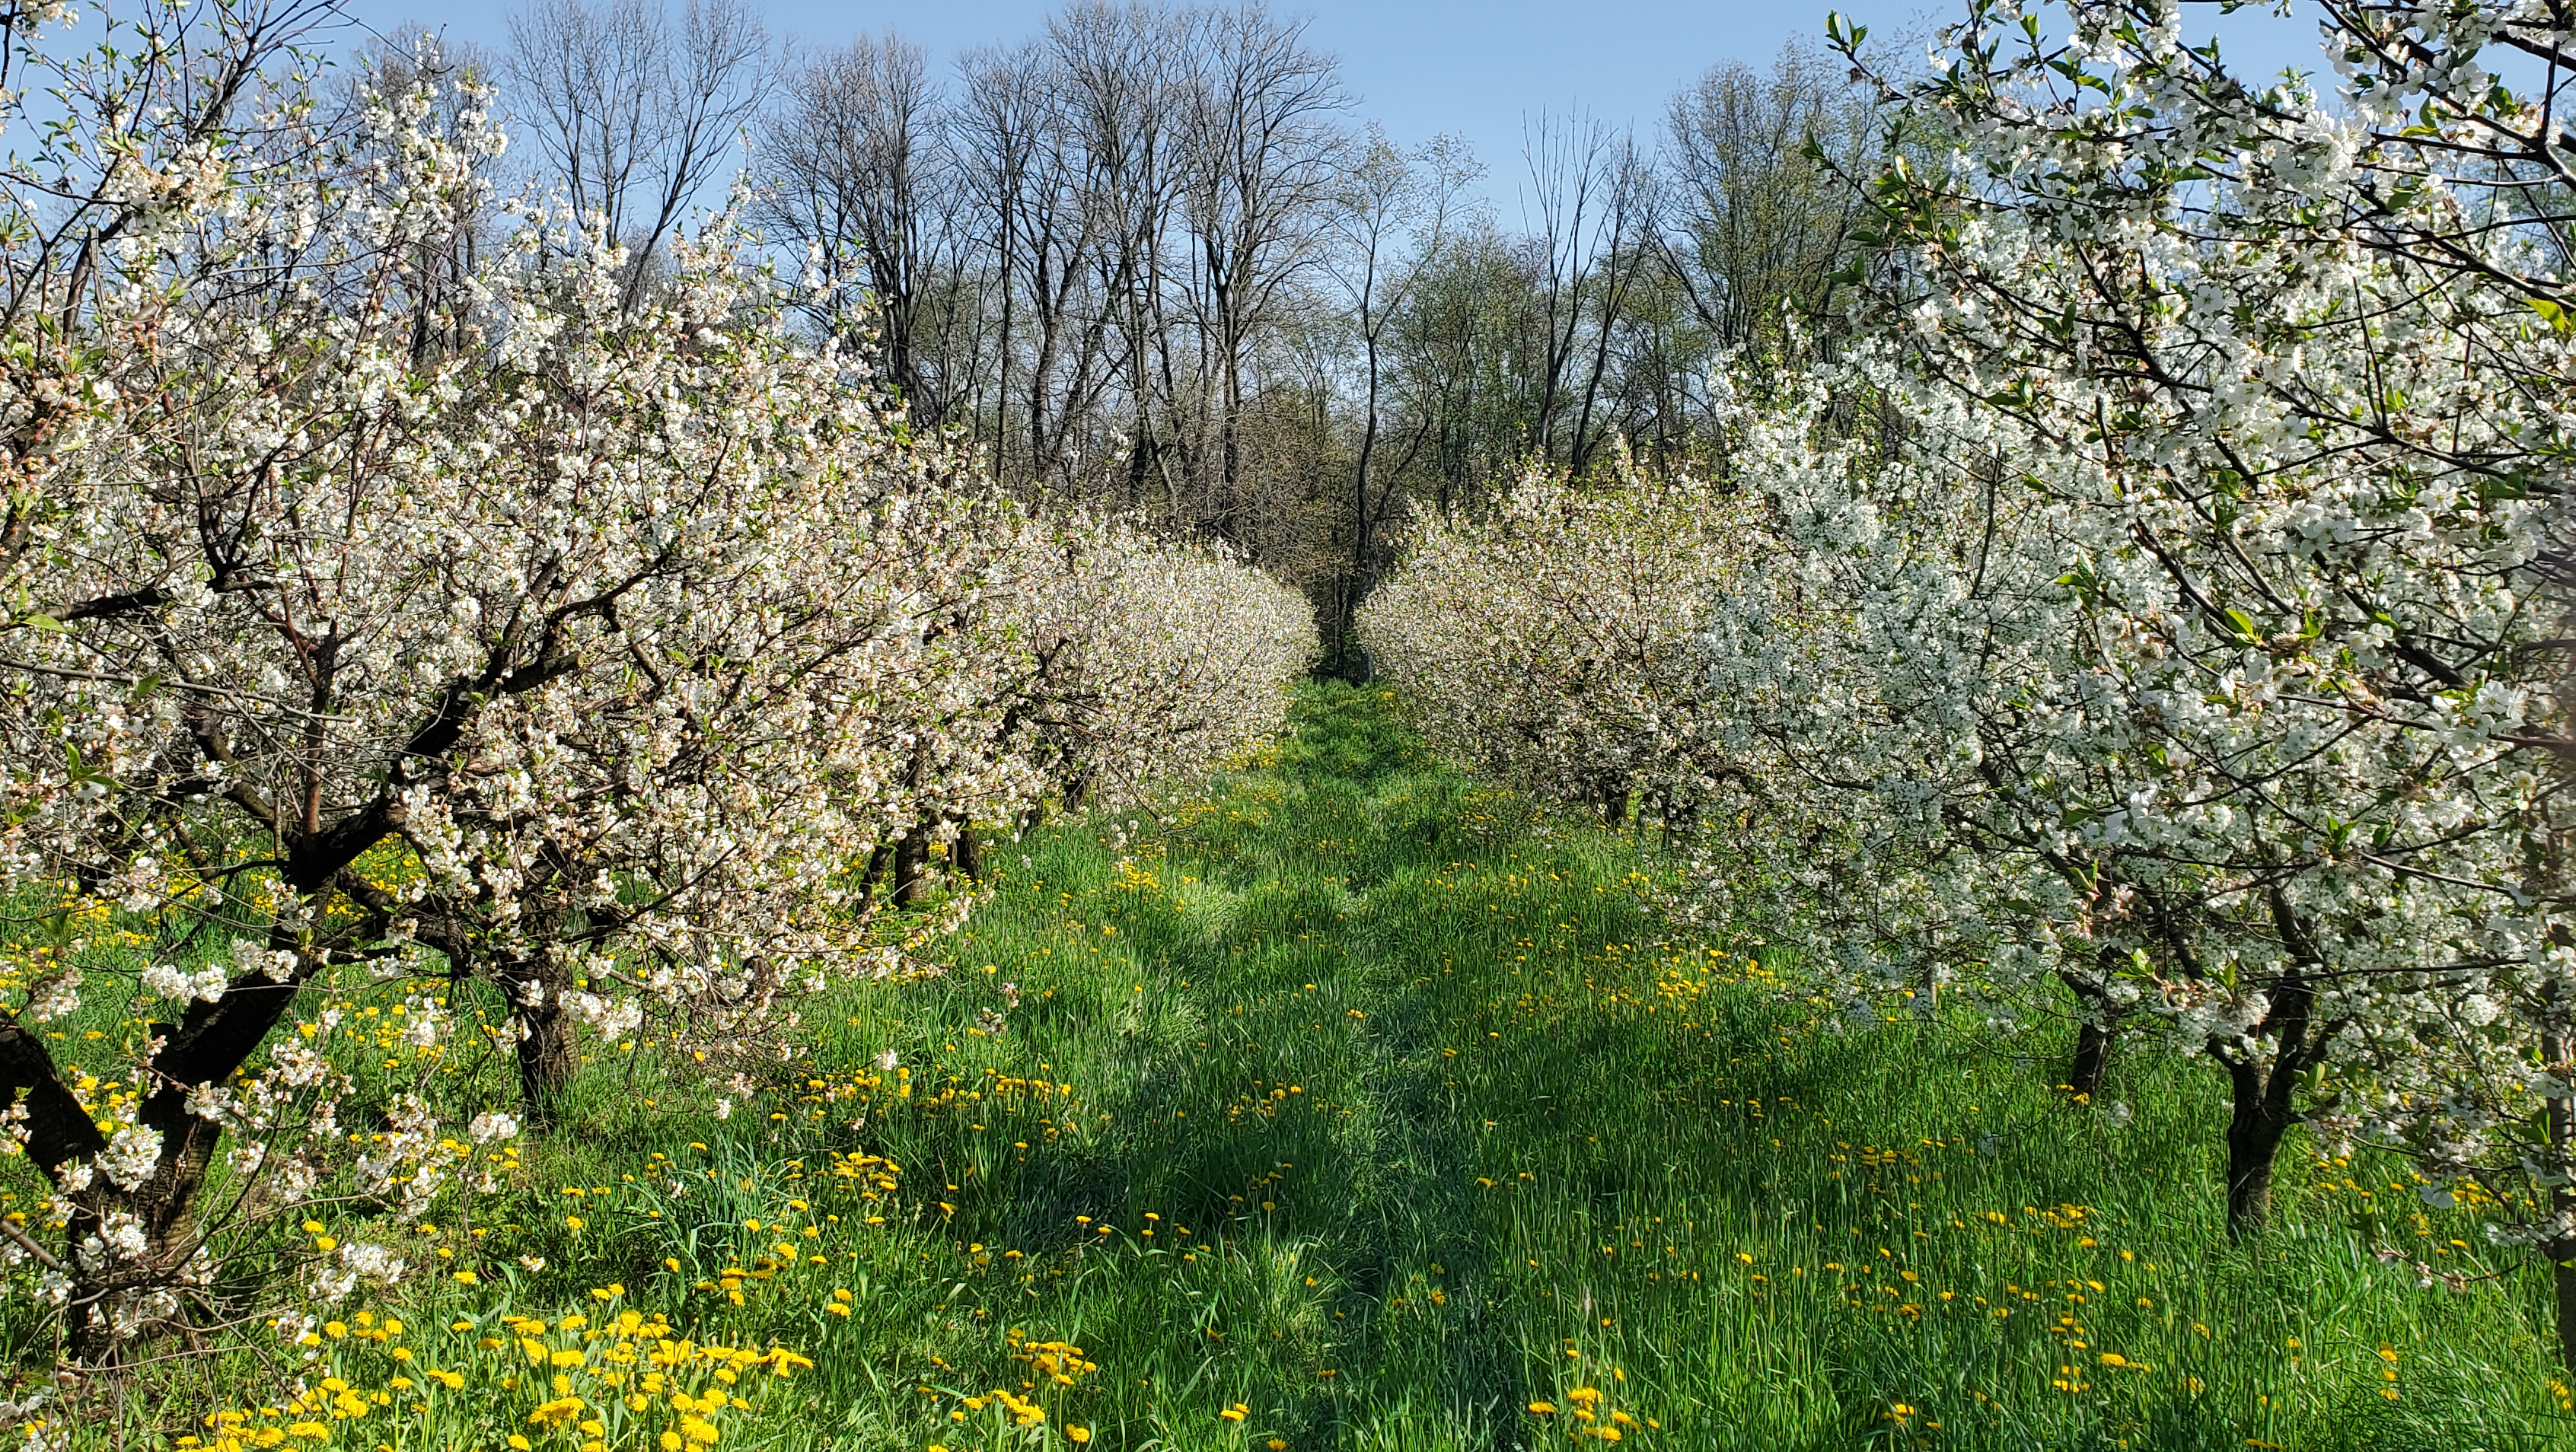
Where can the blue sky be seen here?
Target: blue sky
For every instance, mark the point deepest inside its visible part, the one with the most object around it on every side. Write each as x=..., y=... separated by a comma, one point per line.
x=1422, y=67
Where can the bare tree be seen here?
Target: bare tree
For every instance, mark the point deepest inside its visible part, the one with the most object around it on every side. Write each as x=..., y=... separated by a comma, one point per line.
x=1463, y=357
x=1591, y=196
x=633, y=115
x=857, y=165
x=1028, y=186
x=1102, y=250
x=1391, y=221
x=1761, y=225
x=1265, y=152
x=1126, y=73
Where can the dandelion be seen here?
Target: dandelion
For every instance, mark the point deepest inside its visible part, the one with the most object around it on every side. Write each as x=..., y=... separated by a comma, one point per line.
x=1236, y=1413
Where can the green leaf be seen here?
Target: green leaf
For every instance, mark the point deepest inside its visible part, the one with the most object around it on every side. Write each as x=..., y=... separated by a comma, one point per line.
x=39, y=620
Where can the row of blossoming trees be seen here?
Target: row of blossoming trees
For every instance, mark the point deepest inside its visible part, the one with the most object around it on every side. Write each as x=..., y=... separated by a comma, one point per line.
x=381, y=613
x=2159, y=626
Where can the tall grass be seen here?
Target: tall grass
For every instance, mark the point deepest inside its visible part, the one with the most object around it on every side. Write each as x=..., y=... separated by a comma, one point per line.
x=1352, y=1104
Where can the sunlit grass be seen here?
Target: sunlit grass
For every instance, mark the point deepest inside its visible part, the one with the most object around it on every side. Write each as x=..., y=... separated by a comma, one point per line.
x=1351, y=1104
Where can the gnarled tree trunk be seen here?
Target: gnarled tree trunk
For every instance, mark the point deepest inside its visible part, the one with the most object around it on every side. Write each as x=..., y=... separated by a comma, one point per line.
x=2259, y=1118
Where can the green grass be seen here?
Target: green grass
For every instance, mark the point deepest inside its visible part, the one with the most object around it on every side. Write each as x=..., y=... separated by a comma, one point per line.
x=1380, y=1106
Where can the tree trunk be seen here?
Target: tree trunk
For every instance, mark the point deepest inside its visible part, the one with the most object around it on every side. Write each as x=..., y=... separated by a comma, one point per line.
x=2097, y=1024
x=1350, y=605
x=967, y=855
x=210, y=1041
x=873, y=874
x=2264, y=1090
x=2562, y=1276
x=2260, y=1118
x=912, y=867
x=549, y=1051
x=2092, y=1056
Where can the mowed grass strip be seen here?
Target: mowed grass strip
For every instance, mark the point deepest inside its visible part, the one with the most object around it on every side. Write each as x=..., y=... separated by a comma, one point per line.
x=1400, y=1114
x=1350, y=1103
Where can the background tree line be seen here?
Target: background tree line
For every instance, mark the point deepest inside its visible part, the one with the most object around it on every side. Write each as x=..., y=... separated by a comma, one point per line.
x=1154, y=260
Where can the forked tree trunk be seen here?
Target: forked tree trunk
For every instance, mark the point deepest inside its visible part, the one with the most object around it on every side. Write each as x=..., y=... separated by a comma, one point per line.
x=2260, y=1116
x=2263, y=1087
x=210, y=1041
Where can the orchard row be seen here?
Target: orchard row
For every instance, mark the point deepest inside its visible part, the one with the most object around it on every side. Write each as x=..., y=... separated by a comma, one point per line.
x=2155, y=625
x=390, y=614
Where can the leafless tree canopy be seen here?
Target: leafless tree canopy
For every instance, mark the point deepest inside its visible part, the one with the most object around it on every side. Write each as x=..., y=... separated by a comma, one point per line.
x=632, y=113
x=1763, y=224
x=1154, y=259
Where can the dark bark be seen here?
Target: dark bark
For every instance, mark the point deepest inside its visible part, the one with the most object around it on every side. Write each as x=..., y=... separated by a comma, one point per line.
x=2263, y=1103
x=967, y=855
x=2263, y=1076
x=874, y=873
x=59, y=1131
x=2097, y=1025
x=2562, y=1281
x=2259, y=1118
x=912, y=867
x=2092, y=1057
x=549, y=1050
x=206, y=1046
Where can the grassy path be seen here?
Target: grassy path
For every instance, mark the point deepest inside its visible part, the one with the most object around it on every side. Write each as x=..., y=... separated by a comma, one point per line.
x=1353, y=1106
